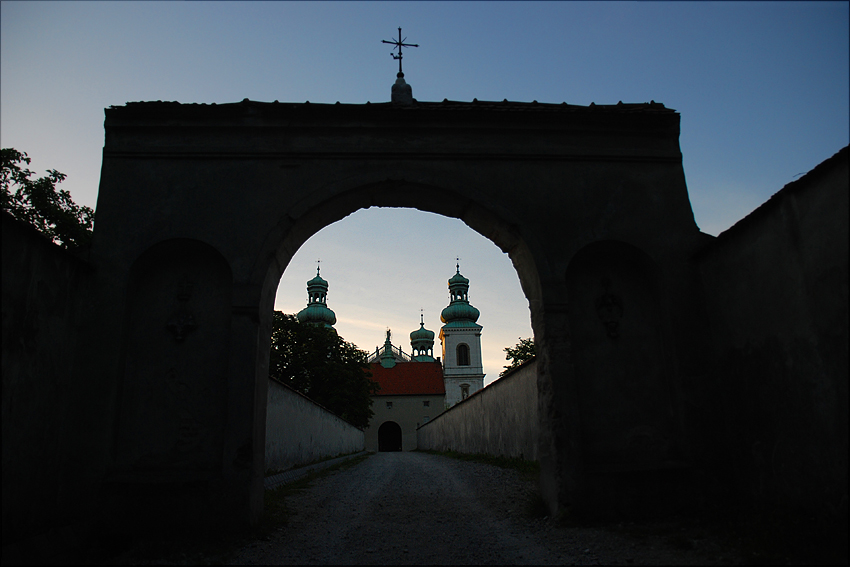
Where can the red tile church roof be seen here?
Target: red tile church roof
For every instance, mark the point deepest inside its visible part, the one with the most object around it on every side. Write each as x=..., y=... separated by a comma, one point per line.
x=407, y=378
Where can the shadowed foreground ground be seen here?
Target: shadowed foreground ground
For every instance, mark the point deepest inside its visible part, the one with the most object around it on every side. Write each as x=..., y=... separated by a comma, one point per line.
x=416, y=508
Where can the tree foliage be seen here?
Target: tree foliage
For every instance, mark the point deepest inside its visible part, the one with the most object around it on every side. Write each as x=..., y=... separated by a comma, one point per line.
x=321, y=365
x=519, y=353
x=40, y=203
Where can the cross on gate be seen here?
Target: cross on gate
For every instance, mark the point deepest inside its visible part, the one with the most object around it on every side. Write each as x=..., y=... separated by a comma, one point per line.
x=399, y=44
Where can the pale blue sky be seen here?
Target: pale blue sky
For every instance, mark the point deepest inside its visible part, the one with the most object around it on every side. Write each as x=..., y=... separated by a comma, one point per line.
x=762, y=89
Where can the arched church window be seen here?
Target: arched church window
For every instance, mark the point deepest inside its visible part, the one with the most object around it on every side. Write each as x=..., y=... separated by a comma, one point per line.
x=462, y=355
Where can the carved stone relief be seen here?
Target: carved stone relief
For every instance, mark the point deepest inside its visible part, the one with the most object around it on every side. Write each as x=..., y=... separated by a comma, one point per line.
x=609, y=308
x=182, y=322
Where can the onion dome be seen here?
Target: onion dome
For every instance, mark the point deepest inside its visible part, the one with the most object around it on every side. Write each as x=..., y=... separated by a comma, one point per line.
x=459, y=312
x=317, y=311
x=422, y=343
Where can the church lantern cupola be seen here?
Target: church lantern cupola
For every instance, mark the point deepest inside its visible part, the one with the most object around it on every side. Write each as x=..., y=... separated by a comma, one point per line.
x=422, y=342
x=459, y=312
x=317, y=312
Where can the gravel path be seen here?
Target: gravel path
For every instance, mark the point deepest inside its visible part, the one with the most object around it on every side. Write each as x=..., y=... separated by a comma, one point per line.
x=416, y=508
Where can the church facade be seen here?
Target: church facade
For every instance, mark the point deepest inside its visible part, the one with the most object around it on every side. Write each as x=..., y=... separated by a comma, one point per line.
x=415, y=387
x=412, y=392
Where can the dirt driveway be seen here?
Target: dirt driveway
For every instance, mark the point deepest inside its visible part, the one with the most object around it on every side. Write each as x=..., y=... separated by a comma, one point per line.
x=416, y=508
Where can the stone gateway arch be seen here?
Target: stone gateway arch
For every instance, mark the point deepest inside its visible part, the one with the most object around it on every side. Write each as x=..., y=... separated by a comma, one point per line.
x=201, y=208
x=161, y=417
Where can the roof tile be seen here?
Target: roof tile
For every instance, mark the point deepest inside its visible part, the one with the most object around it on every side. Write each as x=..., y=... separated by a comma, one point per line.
x=406, y=378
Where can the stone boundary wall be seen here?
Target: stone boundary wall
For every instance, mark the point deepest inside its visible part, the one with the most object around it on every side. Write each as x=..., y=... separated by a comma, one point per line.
x=776, y=286
x=300, y=431
x=499, y=420
x=43, y=293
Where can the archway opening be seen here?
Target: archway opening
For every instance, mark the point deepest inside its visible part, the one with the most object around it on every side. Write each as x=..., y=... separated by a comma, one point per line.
x=388, y=268
x=388, y=265
x=389, y=437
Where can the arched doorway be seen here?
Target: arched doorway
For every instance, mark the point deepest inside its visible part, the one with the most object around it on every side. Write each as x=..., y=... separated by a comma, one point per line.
x=389, y=436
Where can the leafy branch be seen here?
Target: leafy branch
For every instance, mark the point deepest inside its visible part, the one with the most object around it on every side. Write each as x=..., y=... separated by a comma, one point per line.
x=40, y=203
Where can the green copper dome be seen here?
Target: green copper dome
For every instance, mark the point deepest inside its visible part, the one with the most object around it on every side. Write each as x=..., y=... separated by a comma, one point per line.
x=458, y=279
x=317, y=283
x=459, y=312
x=422, y=343
x=317, y=311
x=422, y=334
x=318, y=314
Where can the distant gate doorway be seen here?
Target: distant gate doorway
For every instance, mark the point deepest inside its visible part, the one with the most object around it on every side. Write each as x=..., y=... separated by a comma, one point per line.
x=389, y=436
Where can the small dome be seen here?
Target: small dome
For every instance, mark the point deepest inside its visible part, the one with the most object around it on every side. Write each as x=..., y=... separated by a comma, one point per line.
x=317, y=282
x=458, y=279
x=422, y=343
x=422, y=334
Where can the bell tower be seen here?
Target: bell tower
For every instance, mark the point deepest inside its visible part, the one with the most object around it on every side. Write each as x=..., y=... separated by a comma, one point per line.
x=463, y=371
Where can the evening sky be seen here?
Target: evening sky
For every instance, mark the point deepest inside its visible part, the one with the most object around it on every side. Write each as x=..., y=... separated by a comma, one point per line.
x=762, y=89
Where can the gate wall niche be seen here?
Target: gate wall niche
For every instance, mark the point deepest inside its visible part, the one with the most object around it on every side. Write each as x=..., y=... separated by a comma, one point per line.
x=617, y=324
x=249, y=182
x=171, y=416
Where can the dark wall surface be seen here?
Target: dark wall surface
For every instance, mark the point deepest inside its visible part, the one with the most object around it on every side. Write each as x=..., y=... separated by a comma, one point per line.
x=44, y=291
x=776, y=288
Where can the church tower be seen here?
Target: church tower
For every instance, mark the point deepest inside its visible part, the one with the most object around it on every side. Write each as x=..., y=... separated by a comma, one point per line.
x=463, y=371
x=317, y=312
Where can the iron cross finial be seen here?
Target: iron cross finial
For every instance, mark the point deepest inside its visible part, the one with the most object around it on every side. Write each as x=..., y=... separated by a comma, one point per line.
x=399, y=44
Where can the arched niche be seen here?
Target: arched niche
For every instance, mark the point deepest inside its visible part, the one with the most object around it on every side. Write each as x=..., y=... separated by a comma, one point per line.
x=621, y=358
x=171, y=417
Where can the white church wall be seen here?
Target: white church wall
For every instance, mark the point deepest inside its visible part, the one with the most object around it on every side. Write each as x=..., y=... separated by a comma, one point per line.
x=499, y=420
x=451, y=338
x=454, y=387
x=299, y=431
x=408, y=411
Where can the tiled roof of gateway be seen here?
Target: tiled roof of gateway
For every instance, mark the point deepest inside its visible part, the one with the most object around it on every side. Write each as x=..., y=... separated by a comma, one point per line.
x=417, y=106
x=406, y=378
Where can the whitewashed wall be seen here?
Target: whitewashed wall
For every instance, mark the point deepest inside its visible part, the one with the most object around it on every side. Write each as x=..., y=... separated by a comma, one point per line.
x=500, y=420
x=299, y=431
